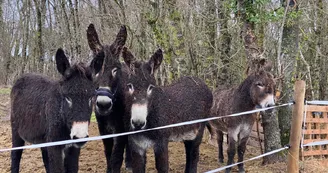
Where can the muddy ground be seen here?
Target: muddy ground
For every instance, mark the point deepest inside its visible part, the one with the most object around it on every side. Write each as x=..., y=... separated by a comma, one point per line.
x=92, y=158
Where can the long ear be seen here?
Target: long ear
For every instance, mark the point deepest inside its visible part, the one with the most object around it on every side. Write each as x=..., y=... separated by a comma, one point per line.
x=97, y=62
x=129, y=59
x=120, y=40
x=93, y=40
x=155, y=60
x=62, y=61
x=265, y=65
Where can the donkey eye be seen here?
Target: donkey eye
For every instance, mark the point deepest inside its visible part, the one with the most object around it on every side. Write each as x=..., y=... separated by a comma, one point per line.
x=69, y=101
x=150, y=88
x=114, y=71
x=90, y=102
x=130, y=86
x=259, y=84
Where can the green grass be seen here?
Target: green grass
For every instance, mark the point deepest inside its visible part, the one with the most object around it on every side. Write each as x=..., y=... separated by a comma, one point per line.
x=5, y=91
x=93, y=117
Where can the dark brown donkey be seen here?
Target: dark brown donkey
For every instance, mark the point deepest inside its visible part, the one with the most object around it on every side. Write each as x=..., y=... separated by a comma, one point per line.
x=256, y=91
x=45, y=110
x=148, y=106
x=110, y=97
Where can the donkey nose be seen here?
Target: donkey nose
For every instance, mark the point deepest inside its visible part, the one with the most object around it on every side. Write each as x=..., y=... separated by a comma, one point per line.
x=104, y=105
x=138, y=125
x=75, y=137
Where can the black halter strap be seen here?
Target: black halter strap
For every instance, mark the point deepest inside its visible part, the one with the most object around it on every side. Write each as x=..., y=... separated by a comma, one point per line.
x=105, y=92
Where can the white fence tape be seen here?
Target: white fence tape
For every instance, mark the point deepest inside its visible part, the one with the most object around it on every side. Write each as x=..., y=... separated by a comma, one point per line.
x=316, y=143
x=257, y=157
x=317, y=102
x=49, y=144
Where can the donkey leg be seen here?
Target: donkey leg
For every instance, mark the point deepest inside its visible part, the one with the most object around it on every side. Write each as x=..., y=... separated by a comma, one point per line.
x=241, y=151
x=16, y=155
x=231, y=152
x=188, y=146
x=128, y=158
x=161, y=156
x=108, y=145
x=56, y=160
x=192, y=156
x=139, y=158
x=117, y=154
x=139, y=161
x=72, y=159
x=220, y=145
x=45, y=158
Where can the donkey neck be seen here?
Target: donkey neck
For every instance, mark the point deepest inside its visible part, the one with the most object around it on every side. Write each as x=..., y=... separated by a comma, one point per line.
x=242, y=96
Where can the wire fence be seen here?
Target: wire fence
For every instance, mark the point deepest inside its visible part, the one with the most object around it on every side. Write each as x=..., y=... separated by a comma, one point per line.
x=65, y=142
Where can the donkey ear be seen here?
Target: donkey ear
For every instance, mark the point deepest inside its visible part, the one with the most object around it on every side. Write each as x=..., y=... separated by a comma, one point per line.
x=62, y=61
x=120, y=40
x=93, y=40
x=155, y=60
x=129, y=59
x=97, y=62
x=265, y=65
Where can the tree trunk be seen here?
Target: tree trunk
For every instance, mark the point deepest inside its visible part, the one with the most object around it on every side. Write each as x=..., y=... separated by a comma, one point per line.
x=287, y=58
x=39, y=54
x=67, y=24
x=224, y=77
x=26, y=37
x=320, y=48
x=74, y=16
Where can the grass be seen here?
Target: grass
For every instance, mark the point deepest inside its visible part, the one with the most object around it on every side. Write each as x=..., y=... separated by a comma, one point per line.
x=5, y=91
x=93, y=117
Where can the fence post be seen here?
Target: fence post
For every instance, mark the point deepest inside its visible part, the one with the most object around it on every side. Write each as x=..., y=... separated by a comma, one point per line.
x=295, y=133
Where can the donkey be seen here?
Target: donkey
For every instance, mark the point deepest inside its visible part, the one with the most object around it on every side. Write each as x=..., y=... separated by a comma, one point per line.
x=256, y=91
x=109, y=108
x=149, y=106
x=45, y=110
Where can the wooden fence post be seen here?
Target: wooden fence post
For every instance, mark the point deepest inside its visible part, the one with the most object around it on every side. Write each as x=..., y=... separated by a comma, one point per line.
x=295, y=133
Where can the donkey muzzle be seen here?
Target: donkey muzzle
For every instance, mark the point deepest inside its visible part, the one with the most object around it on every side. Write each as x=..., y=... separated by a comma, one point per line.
x=104, y=101
x=138, y=125
x=79, y=130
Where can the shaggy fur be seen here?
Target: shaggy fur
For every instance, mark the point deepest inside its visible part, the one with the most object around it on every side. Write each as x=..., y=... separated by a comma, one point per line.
x=186, y=99
x=44, y=110
x=110, y=115
x=245, y=97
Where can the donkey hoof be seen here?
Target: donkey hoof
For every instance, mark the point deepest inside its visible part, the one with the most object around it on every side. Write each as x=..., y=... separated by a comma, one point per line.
x=241, y=170
x=221, y=160
x=129, y=169
x=227, y=170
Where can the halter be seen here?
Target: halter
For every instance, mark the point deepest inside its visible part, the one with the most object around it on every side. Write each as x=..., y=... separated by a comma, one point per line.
x=105, y=92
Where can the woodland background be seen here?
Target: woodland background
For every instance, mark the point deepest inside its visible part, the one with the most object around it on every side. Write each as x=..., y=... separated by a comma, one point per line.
x=217, y=40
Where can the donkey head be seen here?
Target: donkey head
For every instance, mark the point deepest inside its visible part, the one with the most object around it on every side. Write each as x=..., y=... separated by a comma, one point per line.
x=108, y=78
x=140, y=86
x=77, y=89
x=262, y=89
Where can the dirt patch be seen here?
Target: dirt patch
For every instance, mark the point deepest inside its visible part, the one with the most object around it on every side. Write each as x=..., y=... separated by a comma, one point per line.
x=4, y=103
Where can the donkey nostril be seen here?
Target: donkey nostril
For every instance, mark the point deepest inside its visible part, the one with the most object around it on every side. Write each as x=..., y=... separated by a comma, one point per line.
x=74, y=137
x=102, y=105
x=138, y=124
